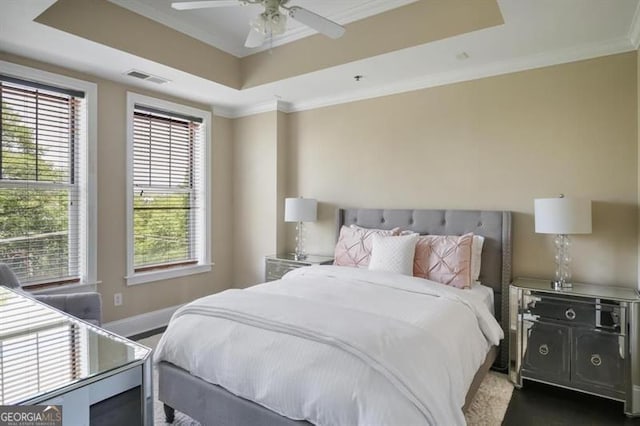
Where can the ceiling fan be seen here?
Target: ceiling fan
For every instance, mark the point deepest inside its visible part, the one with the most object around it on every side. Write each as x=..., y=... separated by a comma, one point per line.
x=272, y=21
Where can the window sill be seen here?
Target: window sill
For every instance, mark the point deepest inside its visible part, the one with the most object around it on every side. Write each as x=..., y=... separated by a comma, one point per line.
x=166, y=274
x=66, y=288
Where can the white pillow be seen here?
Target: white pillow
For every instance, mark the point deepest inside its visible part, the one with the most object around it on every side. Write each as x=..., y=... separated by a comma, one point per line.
x=476, y=257
x=393, y=254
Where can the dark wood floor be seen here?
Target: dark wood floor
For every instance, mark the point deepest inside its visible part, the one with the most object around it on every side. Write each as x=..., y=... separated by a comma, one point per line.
x=539, y=404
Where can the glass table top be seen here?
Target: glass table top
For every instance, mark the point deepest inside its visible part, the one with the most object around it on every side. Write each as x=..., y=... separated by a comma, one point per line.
x=578, y=289
x=43, y=351
x=311, y=258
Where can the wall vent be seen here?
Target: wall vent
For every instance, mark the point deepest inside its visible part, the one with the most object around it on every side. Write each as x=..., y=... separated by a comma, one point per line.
x=148, y=77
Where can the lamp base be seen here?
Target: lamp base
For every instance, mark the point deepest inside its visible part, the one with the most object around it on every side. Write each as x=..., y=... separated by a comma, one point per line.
x=561, y=285
x=300, y=254
x=563, y=263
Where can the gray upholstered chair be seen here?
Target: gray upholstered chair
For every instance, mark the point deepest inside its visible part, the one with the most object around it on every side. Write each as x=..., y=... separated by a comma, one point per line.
x=86, y=306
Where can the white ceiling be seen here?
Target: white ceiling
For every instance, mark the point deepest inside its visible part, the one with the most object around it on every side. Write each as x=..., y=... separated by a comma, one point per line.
x=536, y=33
x=226, y=27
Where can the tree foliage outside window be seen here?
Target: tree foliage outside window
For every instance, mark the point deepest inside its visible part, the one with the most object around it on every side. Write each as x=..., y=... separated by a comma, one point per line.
x=34, y=218
x=161, y=227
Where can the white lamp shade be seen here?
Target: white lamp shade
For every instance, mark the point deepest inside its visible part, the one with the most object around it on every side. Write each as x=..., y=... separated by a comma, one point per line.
x=562, y=216
x=300, y=210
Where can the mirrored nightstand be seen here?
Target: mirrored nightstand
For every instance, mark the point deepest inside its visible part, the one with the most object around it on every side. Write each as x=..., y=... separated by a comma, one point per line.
x=584, y=338
x=279, y=264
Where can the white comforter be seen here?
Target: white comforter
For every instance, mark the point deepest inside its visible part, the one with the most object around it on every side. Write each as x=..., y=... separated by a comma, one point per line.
x=339, y=346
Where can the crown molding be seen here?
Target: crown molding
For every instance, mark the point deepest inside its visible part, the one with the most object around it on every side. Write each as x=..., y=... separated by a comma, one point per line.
x=223, y=111
x=268, y=106
x=557, y=57
x=634, y=29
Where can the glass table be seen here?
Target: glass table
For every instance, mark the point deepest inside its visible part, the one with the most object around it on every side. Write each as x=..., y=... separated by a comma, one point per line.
x=50, y=358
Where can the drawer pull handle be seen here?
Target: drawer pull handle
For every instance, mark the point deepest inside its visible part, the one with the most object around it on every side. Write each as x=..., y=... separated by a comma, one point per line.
x=543, y=349
x=596, y=360
x=570, y=314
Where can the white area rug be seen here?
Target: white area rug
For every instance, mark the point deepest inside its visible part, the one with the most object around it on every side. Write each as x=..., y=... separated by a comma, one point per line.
x=491, y=401
x=487, y=409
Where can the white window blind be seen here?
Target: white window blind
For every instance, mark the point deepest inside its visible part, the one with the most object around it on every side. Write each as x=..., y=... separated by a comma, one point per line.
x=167, y=200
x=39, y=180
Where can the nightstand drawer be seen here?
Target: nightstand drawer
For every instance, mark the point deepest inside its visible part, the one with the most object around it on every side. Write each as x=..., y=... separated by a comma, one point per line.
x=599, y=313
x=550, y=309
x=546, y=351
x=598, y=364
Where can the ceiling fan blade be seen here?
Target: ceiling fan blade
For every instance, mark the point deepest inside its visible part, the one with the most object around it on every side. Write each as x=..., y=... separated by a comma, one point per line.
x=254, y=38
x=319, y=23
x=188, y=5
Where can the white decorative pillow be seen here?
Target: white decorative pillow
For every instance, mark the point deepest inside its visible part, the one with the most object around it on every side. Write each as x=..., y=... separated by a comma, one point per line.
x=393, y=253
x=476, y=257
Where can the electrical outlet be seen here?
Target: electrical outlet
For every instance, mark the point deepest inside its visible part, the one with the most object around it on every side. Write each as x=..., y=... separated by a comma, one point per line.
x=117, y=299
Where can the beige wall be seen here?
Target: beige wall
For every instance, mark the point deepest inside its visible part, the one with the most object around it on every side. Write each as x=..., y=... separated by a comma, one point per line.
x=495, y=143
x=260, y=184
x=255, y=159
x=112, y=211
x=282, y=184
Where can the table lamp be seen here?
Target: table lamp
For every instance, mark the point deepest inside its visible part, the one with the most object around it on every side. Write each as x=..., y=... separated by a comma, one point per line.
x=300, y=210
x=563, y=217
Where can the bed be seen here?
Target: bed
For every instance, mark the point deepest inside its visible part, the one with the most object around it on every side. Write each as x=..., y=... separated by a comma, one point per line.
x=213, y=404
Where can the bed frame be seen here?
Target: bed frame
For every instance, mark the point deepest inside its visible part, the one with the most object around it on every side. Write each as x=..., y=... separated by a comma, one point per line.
x=212, y=404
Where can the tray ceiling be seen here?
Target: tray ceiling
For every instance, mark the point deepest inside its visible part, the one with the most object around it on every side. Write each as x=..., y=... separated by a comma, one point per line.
x=226, y=27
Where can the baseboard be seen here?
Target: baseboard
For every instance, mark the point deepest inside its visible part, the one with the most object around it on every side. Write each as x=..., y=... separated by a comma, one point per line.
x=139, y=324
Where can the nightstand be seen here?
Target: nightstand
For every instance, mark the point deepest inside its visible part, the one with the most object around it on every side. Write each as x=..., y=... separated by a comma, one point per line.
x=279, y=264
x=584, y=338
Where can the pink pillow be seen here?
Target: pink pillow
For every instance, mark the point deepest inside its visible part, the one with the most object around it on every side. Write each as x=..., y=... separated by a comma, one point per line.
x=445, y=259
x=355, y=244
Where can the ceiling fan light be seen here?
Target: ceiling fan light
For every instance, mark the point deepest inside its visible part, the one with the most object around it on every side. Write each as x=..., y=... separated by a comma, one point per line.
x=278, y=23
x=270, y=23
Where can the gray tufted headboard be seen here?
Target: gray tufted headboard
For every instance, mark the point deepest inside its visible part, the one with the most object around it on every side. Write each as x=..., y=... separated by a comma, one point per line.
x=494, y=226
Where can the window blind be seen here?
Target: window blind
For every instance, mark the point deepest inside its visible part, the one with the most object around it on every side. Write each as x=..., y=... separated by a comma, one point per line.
x=166, y=151
x=39, y=189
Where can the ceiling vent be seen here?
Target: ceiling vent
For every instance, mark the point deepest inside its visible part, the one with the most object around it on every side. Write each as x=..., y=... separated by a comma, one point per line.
x=148, y=77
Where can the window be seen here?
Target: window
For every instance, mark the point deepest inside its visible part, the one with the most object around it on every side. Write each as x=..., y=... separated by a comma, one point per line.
x=46, y=216
x=168, y=194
